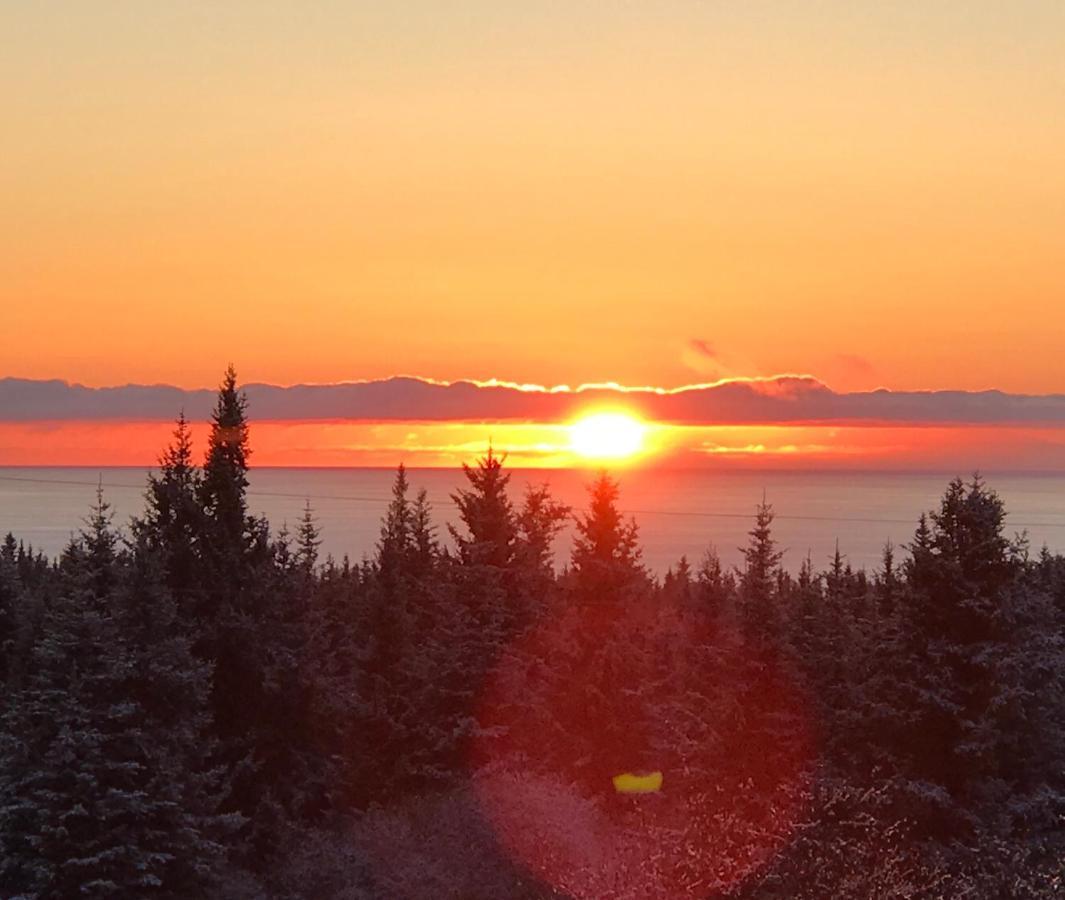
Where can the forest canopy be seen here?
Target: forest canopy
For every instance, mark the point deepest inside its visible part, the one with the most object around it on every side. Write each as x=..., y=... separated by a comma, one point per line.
x=200, y=705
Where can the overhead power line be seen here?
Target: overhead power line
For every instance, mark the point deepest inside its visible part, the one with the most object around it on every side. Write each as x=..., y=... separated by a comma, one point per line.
x=383, y=501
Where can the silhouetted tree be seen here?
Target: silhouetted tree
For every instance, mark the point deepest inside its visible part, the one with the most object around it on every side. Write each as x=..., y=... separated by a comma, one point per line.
x=487, y=514
x=308, y=540
x=606, y=554
x=759, y=611
x=225, y=472
x=173, y=523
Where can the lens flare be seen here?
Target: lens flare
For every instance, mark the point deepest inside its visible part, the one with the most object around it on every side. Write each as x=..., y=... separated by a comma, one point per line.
x=615, y=772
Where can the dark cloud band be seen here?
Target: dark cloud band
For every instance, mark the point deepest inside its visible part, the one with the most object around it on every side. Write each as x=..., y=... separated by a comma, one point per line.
x=781, y=400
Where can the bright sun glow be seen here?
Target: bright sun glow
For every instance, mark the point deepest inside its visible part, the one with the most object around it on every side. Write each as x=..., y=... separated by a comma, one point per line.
x=607, y=436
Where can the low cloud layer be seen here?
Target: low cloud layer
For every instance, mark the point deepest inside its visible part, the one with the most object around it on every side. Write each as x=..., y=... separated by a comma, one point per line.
x=781, y=400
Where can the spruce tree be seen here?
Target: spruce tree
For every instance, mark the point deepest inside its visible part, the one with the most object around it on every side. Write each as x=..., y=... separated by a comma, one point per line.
x=393, y=595
x=606, y=553
x=173, y=524
x=425, y=549
x=104, y=789
x=487, y=543
x=487, y=514
x=11, y=602
x=231, y=616
x=961, y=665
x=251, y=624
x=887, y=581
x=308, y=540
x=225, y=471
x=714, y=586
x=60, y=770
x=539, y=521
x=759, y=611
x=395, y=546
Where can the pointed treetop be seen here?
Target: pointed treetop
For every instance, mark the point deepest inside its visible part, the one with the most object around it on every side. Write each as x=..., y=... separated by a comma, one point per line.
x=761, y=557
x=98, y=534
x=308, y=539
x=225, y=471
x=487, y=514
x=539, y=521
x=606, y=552
x=177, y=458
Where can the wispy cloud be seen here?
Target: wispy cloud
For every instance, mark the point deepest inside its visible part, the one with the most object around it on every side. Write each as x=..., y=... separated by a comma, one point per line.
x=702, y=357
x=702, y=348
x=782, y=399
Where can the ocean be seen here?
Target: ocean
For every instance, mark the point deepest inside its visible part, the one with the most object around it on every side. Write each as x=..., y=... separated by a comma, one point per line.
x=679, y=512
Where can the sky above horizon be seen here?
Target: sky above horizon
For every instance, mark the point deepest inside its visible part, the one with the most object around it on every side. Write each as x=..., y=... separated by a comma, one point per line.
x=555, y=193
x=785, y=422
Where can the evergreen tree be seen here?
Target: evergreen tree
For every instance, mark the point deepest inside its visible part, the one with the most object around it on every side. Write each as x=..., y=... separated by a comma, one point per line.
x=487, y=514
x=252, y=631
x=807, y=618
x=887, y=581
x=425, y=549
x=958, y=660
x=396, y=545
x=487, y=576
x=225, y=471
x=606, y=554
x=308, y=540
x=335, y=658
x=10, y=611
x=231, y=613
x=533, y=588
x=60, y=765
x=103, y=790
x=715, y=586
x=678, y=586
x=759, y=612
x=173, y=522
x=539, y=521
x=391, y=593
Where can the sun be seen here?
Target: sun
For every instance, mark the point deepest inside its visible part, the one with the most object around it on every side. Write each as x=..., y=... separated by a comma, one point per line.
x=607, y=435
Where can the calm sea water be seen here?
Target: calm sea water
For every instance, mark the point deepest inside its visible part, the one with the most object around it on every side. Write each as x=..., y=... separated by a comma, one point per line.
x=679, y=512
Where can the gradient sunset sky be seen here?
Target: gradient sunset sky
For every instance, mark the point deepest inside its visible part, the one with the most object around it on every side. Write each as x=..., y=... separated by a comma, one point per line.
x=543, y=192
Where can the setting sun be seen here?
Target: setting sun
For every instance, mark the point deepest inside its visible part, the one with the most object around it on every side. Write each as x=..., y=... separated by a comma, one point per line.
x=607, y=436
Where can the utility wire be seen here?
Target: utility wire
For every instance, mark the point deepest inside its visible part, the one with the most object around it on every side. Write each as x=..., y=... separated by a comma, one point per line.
x=637, y=512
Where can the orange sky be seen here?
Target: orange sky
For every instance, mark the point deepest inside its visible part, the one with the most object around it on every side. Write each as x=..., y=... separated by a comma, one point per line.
x=953, y=449
x=649, y=194
x=550, y=192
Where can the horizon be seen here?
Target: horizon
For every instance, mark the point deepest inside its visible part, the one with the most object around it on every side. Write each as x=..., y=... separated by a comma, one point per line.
x=783, y=421
x=857, y=196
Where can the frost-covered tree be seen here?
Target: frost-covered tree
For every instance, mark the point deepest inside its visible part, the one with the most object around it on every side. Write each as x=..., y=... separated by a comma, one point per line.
x=104, y=787
x=973, y=662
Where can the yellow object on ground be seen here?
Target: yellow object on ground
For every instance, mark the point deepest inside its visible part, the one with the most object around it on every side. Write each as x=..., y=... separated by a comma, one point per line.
x=628, y=783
